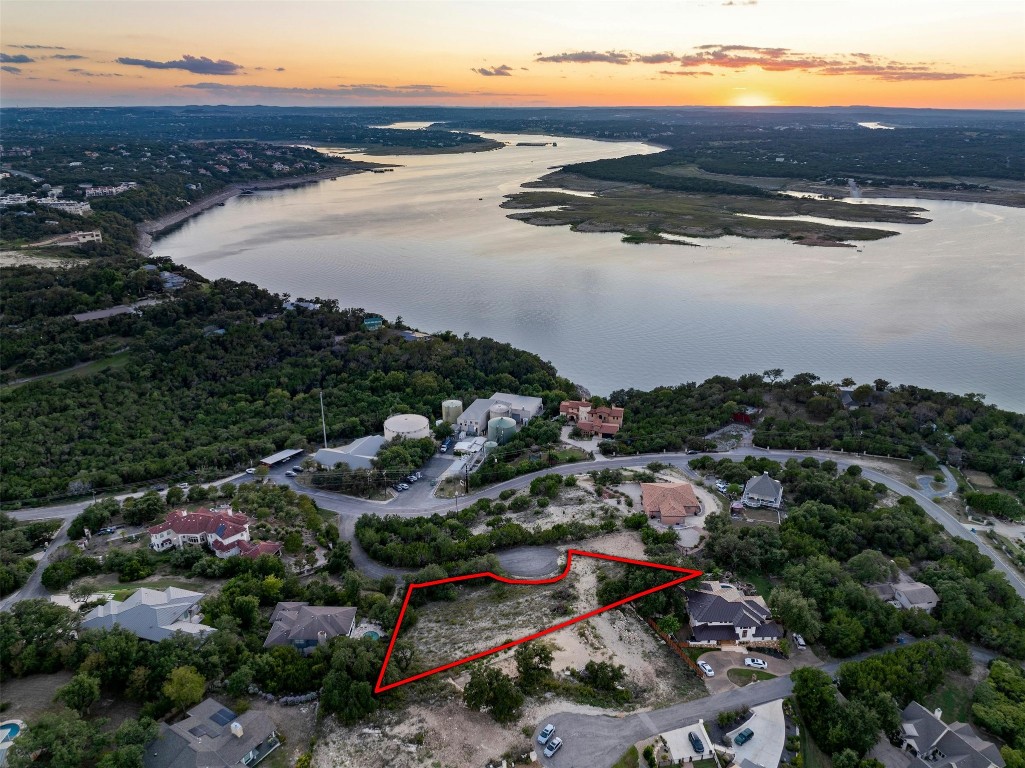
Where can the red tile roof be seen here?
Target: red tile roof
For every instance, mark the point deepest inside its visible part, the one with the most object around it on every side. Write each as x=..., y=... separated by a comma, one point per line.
x=597, y=426
x=670, y=501
x=572, y=406
x=254, y=549
x=182, y=522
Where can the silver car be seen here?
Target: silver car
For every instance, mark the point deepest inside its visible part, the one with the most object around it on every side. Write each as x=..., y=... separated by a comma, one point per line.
x=553, y=746
x=546, y=734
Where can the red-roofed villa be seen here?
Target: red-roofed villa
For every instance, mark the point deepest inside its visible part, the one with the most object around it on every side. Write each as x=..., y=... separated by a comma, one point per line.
x=601, y=420
x=227, y=533
x=670, y=502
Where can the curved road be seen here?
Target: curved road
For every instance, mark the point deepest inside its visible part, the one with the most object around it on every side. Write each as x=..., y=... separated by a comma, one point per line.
x=350, y=509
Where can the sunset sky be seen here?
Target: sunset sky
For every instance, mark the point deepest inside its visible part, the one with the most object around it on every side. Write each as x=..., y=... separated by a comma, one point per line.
x=911, y=53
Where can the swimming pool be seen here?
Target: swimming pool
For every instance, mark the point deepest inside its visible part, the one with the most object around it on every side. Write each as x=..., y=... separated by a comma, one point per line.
x=372, y=635
x=8, y=731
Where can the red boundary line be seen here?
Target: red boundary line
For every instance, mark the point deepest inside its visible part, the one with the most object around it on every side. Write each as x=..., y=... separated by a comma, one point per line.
x=381, y=688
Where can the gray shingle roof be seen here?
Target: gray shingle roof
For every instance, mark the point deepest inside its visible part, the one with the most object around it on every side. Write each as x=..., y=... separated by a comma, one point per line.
x=302, y=622
x=204, y=739
x=763, y=487
x=954, y=746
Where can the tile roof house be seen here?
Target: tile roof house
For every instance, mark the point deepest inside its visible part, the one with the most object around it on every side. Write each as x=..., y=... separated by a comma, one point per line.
x=151, y=614
x=670, y=502
x=935, y=744
x=226, y=533
x=722, y=613
x=213, y=736
x=306, y=626
x=602, y=420
x=763, y=491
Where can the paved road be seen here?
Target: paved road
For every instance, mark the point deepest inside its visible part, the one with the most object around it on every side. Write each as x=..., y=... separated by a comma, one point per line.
x=597, y=741
x=419, y=503
x=34, y=588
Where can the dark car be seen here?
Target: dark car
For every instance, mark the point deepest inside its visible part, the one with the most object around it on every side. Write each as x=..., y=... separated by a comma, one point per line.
x=696, y=742
x=743, y=737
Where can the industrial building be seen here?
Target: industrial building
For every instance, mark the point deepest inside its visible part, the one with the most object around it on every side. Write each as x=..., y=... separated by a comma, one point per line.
x=519, y=408
x=359, y=454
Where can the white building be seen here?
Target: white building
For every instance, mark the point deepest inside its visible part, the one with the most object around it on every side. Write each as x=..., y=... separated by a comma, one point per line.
x=520, y=408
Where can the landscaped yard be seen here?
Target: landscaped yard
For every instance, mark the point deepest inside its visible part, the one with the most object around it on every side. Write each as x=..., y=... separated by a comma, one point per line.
x=745, y=676
x=630, y=759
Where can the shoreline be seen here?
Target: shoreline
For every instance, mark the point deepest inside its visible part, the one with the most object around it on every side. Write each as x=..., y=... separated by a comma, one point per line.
x=146, y=230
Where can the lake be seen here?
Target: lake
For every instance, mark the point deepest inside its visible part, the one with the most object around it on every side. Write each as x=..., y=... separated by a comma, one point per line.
x=939, y=305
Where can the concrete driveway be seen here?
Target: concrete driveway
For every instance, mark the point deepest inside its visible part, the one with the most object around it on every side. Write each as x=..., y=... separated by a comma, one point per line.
x=725, y=660
x=770, y=731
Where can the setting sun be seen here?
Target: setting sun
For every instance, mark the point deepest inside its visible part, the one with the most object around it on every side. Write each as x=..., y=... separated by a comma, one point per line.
x=752, y=99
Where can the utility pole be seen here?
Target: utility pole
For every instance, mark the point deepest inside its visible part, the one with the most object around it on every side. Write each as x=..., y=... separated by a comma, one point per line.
x=323, y=421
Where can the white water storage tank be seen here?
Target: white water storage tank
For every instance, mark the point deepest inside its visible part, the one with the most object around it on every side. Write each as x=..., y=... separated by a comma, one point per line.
x=451, y=410
x=501, y=429
x=408, y=426
x=498, y=411
x=489, y=446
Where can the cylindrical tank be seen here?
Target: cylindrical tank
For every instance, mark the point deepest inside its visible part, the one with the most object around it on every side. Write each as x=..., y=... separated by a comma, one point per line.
x=489, y=446
x=451, y=410
x=501, y=429
x=408, y=426
x=498, y=411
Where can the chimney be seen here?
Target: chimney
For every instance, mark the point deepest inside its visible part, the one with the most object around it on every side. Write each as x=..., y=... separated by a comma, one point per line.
x=938, y=714
x=236, y=730
x=322, y=637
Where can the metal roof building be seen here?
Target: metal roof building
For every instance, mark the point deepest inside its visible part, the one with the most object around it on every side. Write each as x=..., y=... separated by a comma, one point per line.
x=151, y=615
x=358, y=454
x=280, y=456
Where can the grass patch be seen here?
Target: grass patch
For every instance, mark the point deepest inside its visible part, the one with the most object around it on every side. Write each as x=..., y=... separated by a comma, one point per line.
x=812, y=756
x=710, y=763
x=630, y=759
x=954, y=698
x=761, y=583
x=124, y=591
x=747, y=676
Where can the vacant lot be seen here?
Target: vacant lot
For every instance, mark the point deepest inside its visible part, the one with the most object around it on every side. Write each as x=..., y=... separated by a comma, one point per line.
x=32, y=696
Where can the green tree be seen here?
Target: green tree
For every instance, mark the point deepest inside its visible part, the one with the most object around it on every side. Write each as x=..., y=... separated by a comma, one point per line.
x=80, y=693
x=534, y=664
x=61, y=740
x=489, y=689
x=184, y=687
x=871, y=567
x=796, y=612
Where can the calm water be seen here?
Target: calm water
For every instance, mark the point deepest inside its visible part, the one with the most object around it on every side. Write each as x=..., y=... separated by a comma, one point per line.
x=939, y=305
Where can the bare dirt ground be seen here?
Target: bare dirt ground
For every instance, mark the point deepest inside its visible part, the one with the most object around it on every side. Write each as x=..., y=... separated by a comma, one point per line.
x=442, y=733
x=32, y=696
x=297, y=725
x=575, y=503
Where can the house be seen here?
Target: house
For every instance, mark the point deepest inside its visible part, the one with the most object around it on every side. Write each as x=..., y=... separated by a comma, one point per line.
x=305, y=626
x=907, y=594
x=847, y=399
x=359, y=454
x=721, y=613
x=226, y=533
x=601, y=420
x=520, y=408
x=763, y=491
x=670, y=502
x=213, y=736
x=935, y=744
x=915, y=594
x=151, y=614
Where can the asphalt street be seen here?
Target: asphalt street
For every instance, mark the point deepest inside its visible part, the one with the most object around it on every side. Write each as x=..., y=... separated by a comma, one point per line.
x=418, y=501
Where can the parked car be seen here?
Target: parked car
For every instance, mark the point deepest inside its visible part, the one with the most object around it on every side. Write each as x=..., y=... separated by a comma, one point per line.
x=743, y=737
x=289, y=473
x=546, y=734
x=297, y=469
x=800, y=642
x=706, y=668
x=251, y=471
x=403, y=487
x=183, y=486
x=756, y=663
x=411, y=478
x=696, y=742
x=398, y=487
x=553, y=746
x=721, y=487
